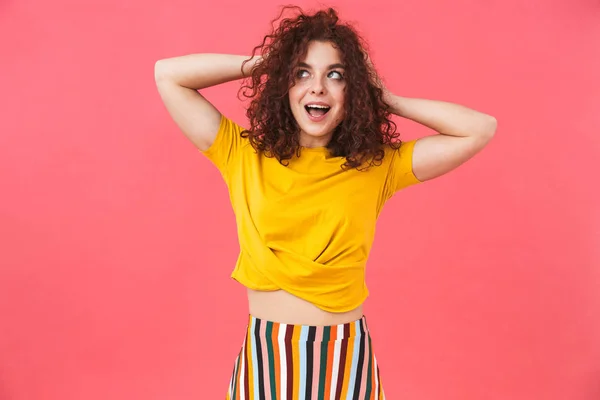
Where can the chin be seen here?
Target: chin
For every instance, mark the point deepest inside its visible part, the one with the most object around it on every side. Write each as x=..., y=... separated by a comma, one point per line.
x=317, y=133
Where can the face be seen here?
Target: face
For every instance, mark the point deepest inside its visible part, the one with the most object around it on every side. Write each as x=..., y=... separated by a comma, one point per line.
x=317, y=98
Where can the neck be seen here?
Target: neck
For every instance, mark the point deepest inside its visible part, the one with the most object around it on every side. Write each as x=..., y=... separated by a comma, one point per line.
x=308, y=141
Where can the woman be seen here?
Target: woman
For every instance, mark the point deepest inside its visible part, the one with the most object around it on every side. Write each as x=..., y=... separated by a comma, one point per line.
x=307, y=181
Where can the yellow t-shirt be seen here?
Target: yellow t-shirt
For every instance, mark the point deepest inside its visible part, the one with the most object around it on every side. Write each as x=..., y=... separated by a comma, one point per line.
x=306, y=228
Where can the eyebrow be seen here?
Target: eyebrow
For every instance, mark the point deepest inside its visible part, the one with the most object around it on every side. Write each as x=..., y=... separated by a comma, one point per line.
x=332, y=66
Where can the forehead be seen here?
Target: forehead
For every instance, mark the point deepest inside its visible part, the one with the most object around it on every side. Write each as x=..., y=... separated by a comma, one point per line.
x=321, y=55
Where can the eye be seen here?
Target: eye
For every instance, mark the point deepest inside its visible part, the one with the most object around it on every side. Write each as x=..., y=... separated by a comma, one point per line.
x=301, y=73
x=339, y=75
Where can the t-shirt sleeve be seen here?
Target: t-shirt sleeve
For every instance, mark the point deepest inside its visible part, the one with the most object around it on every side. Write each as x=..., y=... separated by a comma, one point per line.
x=400, y=171
x=226, y=146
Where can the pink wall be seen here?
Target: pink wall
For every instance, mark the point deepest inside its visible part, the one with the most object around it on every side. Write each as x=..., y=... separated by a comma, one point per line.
x=117, y=238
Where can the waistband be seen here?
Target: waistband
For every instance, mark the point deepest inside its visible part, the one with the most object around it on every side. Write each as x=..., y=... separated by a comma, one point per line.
x=278, y=331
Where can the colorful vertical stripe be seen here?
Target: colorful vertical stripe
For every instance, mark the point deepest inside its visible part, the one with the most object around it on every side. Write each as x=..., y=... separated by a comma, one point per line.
x=300, y=362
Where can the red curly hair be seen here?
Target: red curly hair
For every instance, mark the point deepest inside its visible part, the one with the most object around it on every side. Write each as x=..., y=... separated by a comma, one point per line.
x=273, y=130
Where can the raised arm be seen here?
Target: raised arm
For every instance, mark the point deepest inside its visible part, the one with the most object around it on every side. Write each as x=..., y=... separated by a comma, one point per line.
x=178, y=80
x=463, y=132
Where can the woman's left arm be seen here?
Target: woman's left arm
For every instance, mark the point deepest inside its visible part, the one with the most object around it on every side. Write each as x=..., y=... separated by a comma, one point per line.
x=463, y=132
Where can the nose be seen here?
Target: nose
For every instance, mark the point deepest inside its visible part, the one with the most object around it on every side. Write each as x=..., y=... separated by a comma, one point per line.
x=317, y=87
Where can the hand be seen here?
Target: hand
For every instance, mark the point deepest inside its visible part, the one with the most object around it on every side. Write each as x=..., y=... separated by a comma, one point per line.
x=250, y=64
x=387, y=95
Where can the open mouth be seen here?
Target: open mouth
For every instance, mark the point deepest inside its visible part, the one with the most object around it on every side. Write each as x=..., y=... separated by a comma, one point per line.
x=316, y=111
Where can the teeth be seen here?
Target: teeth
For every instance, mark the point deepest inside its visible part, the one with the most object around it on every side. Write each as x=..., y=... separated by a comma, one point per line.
x=316, y=106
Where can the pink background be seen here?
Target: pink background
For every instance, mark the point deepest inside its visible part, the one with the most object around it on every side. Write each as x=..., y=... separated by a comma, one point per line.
x=117, y=238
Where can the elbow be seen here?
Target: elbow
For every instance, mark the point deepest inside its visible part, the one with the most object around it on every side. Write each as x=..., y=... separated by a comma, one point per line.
x=160, y=70
x=485, y=131
x=489, y=126
x=493, y=124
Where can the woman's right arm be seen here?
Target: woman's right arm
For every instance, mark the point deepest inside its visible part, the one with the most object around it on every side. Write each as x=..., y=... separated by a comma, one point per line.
x=178, y=80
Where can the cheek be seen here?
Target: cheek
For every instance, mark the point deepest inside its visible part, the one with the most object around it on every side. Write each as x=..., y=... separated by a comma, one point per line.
x=339, y=94
x=295, y=95
x=341, y=111
x=340, y=100
x=292, y=95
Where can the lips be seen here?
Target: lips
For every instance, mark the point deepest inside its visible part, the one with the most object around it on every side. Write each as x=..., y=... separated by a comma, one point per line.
x=316, y=111
x=317, y=106
x=317, y=103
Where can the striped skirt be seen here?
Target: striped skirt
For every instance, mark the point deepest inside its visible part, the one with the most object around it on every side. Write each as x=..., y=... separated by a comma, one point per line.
x=300, y=362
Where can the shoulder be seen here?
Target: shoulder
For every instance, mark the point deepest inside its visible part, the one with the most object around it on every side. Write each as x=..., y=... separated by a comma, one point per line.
x=398, y=164
x=227, y=145
x=230, y=132
x=400, y=150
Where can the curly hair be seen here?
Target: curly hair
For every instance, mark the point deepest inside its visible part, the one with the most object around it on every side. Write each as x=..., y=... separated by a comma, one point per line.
x=366, y=127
